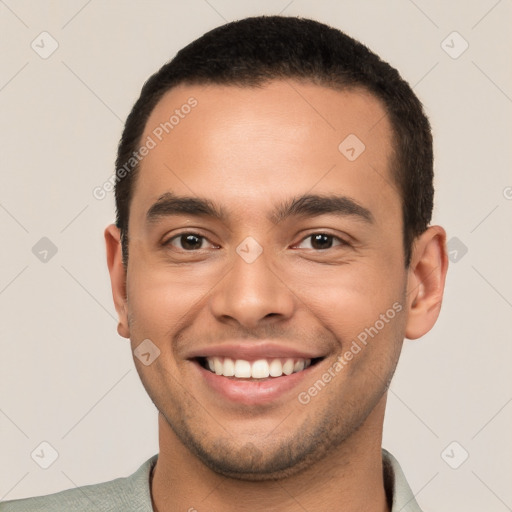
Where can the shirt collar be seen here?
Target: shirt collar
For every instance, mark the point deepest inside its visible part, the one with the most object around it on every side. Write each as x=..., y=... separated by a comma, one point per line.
x=397, y=489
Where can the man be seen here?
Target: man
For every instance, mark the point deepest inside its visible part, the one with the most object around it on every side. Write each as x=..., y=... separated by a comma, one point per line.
x=272, y=250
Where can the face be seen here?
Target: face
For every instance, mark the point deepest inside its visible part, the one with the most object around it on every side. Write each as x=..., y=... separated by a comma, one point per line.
x=266, y=264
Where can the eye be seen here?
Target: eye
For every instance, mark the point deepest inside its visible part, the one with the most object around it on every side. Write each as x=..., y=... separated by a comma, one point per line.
x=320, y=242
x=188, y=241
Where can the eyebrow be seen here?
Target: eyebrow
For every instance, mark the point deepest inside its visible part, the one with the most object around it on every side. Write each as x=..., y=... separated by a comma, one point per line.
x=170, y=204
x=307, y=205
x=312, y=205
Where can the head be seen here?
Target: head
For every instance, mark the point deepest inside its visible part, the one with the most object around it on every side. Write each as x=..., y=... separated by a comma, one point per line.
x=281, y=216
x=255, y=51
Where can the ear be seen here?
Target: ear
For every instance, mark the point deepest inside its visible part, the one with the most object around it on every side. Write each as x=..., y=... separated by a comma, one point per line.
x=425, y=285
x=117, y=277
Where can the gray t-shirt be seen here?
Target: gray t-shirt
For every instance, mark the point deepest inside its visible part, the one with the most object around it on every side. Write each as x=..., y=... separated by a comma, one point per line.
x=133, y=493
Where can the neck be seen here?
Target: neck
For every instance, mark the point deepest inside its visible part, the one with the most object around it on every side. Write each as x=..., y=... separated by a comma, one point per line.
x=350, y=478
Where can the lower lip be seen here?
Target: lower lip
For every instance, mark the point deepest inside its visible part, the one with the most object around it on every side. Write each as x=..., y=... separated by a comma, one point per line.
x=252, y=392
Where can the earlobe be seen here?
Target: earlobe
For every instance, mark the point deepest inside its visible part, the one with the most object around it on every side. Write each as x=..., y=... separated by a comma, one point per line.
x=117, y=277
x=426, y=279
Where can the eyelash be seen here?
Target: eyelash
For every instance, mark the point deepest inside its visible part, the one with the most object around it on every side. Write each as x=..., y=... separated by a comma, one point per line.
x=186, y=233
x=340, y=241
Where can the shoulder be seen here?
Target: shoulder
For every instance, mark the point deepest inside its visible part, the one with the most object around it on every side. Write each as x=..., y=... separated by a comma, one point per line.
x=119, y=495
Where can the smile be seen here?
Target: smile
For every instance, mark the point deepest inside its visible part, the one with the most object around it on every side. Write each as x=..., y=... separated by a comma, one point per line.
x=251, y=382
x=258, y=369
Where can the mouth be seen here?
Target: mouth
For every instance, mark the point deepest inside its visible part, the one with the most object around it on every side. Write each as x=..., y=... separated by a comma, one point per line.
x=257, y=370
x=253, y=382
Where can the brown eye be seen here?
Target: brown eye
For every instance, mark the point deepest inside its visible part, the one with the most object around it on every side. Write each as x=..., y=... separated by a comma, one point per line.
x=187, y=241
x=320, y=242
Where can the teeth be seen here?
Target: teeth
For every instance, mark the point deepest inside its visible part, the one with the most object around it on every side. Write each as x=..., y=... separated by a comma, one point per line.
x=288, y=367
x=242, y=369
x=276, y=368
x=229, y=367
x=298, y=366
x=260, y=369
x=218, y=367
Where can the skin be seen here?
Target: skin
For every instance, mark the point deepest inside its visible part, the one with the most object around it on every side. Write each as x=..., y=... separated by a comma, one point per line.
x=249, y=149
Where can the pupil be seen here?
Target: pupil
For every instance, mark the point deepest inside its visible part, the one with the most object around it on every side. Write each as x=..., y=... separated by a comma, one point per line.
x=321, y=241
x=190, y=242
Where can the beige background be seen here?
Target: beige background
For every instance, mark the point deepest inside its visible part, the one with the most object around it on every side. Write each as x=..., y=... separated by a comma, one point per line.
x=67, y=378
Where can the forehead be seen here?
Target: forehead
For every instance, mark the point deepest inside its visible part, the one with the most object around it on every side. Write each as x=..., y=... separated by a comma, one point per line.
x=249, y=145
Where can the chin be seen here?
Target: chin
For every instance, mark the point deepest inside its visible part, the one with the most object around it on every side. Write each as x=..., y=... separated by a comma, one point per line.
x=254, y=464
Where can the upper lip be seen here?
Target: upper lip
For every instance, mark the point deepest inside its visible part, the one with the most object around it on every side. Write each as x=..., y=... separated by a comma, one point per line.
x=252, y=351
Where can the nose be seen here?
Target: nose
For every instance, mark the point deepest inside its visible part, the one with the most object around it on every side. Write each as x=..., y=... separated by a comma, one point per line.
x=252, y=293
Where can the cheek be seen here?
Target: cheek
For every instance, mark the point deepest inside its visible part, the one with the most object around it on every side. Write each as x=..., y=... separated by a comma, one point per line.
x=159, y=298
x=363, y=308
x=351, y=297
